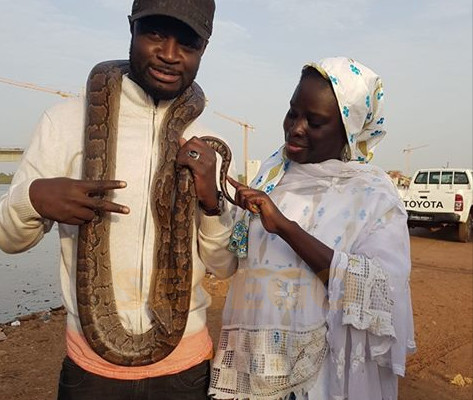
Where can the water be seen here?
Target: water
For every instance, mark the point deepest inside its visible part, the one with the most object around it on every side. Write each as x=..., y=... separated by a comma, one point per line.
x=29, y=281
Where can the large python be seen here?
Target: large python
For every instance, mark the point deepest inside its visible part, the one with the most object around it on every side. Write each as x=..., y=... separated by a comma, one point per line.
x=173, y=212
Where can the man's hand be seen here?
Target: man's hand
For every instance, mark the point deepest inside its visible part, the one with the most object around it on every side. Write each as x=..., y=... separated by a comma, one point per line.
x=70, y=201
x=203, y=167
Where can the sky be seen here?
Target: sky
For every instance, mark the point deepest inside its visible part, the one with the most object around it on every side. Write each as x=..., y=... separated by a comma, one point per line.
x=422, y=49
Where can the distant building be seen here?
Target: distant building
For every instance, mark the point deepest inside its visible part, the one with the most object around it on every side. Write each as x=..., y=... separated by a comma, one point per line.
x=401, y=181
x=10, y=154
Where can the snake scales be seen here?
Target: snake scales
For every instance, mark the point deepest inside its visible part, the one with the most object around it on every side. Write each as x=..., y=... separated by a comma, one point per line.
x=174, y=201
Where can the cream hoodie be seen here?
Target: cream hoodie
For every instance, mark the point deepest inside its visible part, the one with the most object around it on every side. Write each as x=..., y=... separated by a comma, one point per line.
x=56, y=150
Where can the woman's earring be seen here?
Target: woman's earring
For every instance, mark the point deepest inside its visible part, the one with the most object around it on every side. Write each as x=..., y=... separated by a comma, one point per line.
x=346, y=153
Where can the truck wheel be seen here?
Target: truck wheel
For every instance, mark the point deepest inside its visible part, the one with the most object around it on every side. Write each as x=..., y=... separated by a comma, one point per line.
x=465, y=229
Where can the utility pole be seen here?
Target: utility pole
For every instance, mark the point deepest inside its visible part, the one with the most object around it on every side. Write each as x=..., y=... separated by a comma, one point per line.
x=246, y=127
x=408, y=150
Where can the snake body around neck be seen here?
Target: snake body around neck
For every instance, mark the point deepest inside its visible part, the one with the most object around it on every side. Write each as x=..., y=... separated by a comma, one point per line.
x=174, y=201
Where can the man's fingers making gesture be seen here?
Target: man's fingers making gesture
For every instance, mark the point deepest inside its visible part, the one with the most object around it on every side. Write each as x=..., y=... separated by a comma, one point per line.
x=73, y=202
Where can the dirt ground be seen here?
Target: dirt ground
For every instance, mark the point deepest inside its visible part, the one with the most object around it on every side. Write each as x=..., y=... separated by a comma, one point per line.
x=442, y=291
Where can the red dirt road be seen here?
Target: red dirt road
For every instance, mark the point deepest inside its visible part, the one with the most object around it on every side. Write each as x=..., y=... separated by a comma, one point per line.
x=442, y=291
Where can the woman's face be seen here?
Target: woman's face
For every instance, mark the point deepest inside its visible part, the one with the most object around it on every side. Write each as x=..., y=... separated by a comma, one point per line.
x=313, y=127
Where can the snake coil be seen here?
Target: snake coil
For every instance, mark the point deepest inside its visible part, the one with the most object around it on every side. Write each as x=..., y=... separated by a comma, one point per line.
x=174, y=202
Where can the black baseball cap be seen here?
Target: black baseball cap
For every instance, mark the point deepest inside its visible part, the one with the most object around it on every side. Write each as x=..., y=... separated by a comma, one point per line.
x=198, y=14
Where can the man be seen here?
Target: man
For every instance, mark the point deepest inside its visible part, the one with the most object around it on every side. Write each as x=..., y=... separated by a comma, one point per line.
x=168, y=39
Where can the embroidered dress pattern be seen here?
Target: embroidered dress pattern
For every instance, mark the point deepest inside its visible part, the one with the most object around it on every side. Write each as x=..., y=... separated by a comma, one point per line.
x=264, y=364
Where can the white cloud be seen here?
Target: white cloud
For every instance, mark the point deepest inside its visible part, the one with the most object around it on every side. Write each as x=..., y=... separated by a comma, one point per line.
x=323, y=15
x=117, y=5
x=226, y=32
x=422, y=49
x=50, y=47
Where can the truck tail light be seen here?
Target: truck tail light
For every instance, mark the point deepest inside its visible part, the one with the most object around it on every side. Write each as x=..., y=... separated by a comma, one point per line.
x=458, y=202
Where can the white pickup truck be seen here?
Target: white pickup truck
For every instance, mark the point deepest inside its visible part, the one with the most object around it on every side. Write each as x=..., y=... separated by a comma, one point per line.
x=439, y=197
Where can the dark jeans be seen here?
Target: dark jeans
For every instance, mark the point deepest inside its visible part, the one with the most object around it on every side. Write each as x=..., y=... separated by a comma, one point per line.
x=78, y=384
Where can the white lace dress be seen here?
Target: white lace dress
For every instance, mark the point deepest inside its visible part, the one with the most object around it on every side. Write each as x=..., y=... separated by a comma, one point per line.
x=284, y=332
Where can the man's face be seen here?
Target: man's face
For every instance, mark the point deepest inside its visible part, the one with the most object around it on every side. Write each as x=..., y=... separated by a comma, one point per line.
x=165, y=56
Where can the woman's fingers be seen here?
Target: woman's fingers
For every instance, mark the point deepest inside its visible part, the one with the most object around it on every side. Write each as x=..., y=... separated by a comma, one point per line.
x=237, y=185
x=253, y=201
x=247, y=198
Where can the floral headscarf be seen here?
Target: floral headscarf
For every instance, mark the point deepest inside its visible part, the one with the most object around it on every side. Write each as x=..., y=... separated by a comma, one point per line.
x=360, y=96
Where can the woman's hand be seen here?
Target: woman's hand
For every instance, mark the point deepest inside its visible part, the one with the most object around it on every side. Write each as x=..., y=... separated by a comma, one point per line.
x=259, y=202
x=196, y=155
x=316, y=254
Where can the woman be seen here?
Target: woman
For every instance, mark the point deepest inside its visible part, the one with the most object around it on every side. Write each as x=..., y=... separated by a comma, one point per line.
x=319, y=306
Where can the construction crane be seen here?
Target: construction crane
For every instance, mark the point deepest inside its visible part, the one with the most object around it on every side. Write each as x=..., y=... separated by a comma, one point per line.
x=408, y=150
x=246, y=127
x=27, y=85
x=15, y=154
